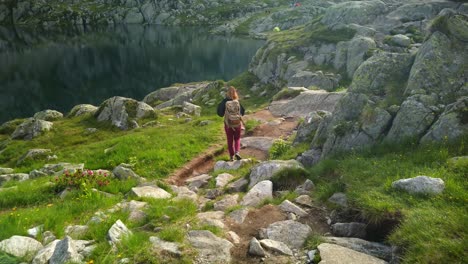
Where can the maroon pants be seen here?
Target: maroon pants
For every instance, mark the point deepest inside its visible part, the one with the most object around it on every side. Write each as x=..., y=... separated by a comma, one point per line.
x=233, y=136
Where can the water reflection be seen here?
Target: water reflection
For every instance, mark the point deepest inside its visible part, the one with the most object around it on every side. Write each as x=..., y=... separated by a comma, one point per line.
x=57, y=70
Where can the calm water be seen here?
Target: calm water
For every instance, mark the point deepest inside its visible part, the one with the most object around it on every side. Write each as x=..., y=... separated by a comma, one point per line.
x=57, y=70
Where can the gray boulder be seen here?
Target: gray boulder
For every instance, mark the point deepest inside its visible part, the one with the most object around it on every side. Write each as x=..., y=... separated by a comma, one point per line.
x=255, y=249
x=117, y=232
x=231, y=165
x=305, y=188
x=339, y=199
x=260, y=143
x=66, y=250
x=124, y=172
x=223, y=179
x=31, y=128
x=328, y=82
x=307, y=129
x=330, y=253
x=310, y=157
x=76, y=231
x=211, y=249
x=150, y=192
x=13, y=177
x=358, y=12
x=356, y=53
x=420, y=185
x=375, y=249
x=43, y=256
x=289, y=207
x=261, y=191
x=48, y=115
x=227, y=202
x=191, y=109
x=198, y=181
x=211, y=218
x=349, y=230
x=400, y=40
x=34, y=154
x=266, y=169
x=276, y=246
x=237, y=186
x=168, y=93
x=165, y=246
x=418, y=11
x=290, y=232
x=305, y=103
x=6, y=171
x=21, y=247
x=239, y=215
x=83, y=109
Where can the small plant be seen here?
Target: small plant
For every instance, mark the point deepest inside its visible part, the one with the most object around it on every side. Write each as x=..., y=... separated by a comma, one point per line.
x=279, y=147
x=286, y=94
x=82, y=180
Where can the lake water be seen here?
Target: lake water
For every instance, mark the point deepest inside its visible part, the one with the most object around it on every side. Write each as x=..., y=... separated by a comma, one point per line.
x=57, y=70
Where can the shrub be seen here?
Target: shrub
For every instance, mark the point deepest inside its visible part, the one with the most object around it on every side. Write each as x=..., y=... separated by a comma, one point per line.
x=279, y=147
x=81, y=180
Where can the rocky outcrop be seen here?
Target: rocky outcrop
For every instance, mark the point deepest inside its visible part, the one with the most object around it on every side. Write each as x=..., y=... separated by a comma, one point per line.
x=48, y=115
x=354, y=12
x=123, y=112
x=420, y=185
x=21, y=247
x=82, y=109
x=211, y=249
x=31, y=128
x=290, y=232
x=330, y=253
x=266, y=170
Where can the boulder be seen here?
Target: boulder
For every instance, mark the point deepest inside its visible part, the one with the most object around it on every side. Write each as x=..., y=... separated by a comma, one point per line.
x=339, y=199
x=165, y=246
x=420, y=185
x=305, y=188
x=61, y=168
x=237, y=186
x=118, y=231
x=266, y=169
x=191, y=109
x=239, y=215
x=150, y=192
x=349, y=229
x=276, y=246
x=261, y=191
x=31, y=128
x=305, y=103
x=359, y=12
x=211, y=218
x=184, y=193
x=76, y=231
x=400, y=40
x=6, y=171
x=375, y=249
x=83, y=109
x=227, y=202
x=290, y=232
x=43, y=256
x=13, y=177
x=255, y=249
x=168, y=93
x=356, y=53
x=288, y=207
x=198, y=181
x=48, y=115
x=34, y=154
x=231, y=165
x=21, y=247
x=328, y=82
x=223, y=179
x=307, y=129
x=211, y=249
x=66, y=250
x=234, y=238
x=330, y=253
x=310, y=157
x=124, y=172
x=260, y=143
x=304, y=200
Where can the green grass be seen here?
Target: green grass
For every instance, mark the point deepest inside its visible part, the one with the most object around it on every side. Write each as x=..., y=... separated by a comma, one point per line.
x=432, y=229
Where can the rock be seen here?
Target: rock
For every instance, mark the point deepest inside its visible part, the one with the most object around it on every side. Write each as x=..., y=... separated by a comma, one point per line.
x=43, y=256
x=306, y=130
x=35, y=231
x=65, y=252
x=305, y=103
x=134, y=16
x=276, y=246
x=213, y=218
x=349, y=230
x=305, y=188
x=304, y=200
x=213, y=193
x=237, y=186
x=150, y=192
x=401, y=40
x=211, y=248
x=261, y=143
x=6, y=171
x=356, y=54
x=117, y=231
x=420, y=185
x=231, y=165
x=261, y=191
x=76, y=231
x=61, y=168
x=361, y=12
x=198, y=181
x=339, y=199
x=419, y=11
x=234, y=238
x=223, y=179
x=13, y=177
x=48, y=115
x=314, y=79
x=310, y=157
x=458, y=163
x=330, y=253
x=31, y=128
x=227, y=202
x=165, y=246
x=239, y=215
x=266, y=169
x=290, y=232
x=255, y=249
x=34, y=154
x=191, y=109
x=83, y=109
x=48, y=237
x=184, y=193
x=288, y=207
x=21, y=247
x=123, y=172
x=121, y=111
x=168, y=93
x=375, y=249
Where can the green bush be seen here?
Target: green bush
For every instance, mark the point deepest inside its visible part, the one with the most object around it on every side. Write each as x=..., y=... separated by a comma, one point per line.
x=82, y=180
x=279, y=147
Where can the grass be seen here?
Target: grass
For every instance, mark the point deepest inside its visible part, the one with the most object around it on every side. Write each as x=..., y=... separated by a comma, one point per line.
x=432, y=228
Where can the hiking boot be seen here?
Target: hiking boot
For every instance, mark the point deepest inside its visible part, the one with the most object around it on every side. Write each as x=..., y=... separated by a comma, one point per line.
x=231, y=158
x=238, y=157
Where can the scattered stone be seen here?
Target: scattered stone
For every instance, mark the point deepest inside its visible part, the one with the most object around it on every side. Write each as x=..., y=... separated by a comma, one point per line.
x=420, y=185
x=223, y=179
x=184, y=193
x=304, y=200
x=48, y=237
x=43, y=256
x=48, y=115
x=352, y=229
x=339, y=199
x=83, y=109
x=288, y=207
x=213, y=193
x=231, y=165
x=76, y=231
x=290, y=232
x=375, y=249
x=90, y=130
x=261, y=191
x=150, y=192
x=234, y=237
x=239, y=215
x=266, y=169
x=276, y=246
x=34, y=154
x=13, y=177
x=330, y=253
x=21, y=247
x=36, y=174
x=212, y=218
x=65, y=252
x=191, y=109
x=211, y=248
x=255, y=249
x=227, y=202
x=165, y=246
x=6, y=171
x=198, y=181
x=31, y=128
x=305, y=188
x=400, y=40
x=124, y=172
x=35, y=231
x=117, y=231
x=237, y=186
x=60, y=168
x=260, y=143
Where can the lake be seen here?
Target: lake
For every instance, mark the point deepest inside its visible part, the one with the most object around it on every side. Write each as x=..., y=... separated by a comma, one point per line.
x=57, y=69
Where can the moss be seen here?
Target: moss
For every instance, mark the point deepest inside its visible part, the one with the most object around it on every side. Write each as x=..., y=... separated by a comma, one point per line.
x=286, y=94
x=10, y=126
x=342, y=128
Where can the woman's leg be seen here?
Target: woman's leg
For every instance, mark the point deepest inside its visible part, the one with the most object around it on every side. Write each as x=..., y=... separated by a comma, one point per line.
x=230, y=140
x=237, y=137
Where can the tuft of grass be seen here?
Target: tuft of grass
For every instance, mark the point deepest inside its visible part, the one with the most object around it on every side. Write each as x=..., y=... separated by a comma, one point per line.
x=286, y=94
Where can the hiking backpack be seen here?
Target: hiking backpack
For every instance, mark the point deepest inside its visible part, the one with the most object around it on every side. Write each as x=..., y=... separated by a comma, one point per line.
x=232, y=115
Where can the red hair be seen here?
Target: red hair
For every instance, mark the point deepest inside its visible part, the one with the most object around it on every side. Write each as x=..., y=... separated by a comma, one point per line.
x=232, y=93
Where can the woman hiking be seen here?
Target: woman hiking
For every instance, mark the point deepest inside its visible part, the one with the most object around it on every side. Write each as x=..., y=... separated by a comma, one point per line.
x=232, y=111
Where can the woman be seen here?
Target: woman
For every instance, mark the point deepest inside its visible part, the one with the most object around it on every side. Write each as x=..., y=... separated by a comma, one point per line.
x=232, y=111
